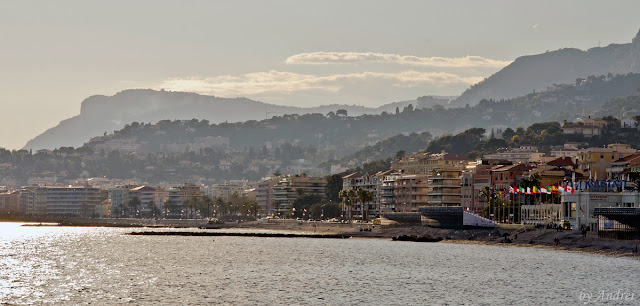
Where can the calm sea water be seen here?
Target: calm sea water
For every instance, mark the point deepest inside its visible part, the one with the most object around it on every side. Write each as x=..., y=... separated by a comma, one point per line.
x=67, y=265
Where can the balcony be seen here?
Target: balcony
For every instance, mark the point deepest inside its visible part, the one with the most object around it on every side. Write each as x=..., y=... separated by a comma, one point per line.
x=444, y=193
x=445, y=184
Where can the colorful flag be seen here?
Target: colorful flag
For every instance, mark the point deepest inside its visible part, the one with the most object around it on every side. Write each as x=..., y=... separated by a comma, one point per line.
x=570, y=189
x=543, y=190
x=535, y=190
x=529, y=190
x=511, y=189
x=560, y=188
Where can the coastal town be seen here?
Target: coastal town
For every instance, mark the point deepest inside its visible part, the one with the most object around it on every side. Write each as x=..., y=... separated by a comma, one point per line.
x=569, y=187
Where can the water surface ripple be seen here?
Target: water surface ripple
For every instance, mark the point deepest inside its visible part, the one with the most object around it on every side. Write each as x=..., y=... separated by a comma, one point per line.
x=66, y=265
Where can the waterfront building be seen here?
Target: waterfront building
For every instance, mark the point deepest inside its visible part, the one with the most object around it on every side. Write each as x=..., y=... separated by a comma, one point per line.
x=60, y=200
x=428, y=179
x=117, y=200
x=228, y=189
x=148, y=197
x=382, y=186
x=33, y=200
x=72, y=200
x=595, y=161
x=579, y=208
x=10, y=202
x=475, y=178
x=178, y=195
x=411, y=191
x=265, y=196
x=444, y=188
x=289, y=187
x=386, y=190
x=275, y=195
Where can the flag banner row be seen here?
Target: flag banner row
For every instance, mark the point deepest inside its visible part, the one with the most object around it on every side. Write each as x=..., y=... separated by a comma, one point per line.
x=549, y=189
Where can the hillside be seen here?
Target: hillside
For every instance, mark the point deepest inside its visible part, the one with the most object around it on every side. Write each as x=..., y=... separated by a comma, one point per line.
x=104, y=114
x=537, y=72
x=343, y=135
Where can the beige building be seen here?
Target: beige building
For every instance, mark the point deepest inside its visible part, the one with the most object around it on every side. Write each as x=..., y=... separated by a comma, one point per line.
x=60, y=200
x=593, y=162
x=427, y=163
x=524, y=154
x=276, y=195
x=445, y=189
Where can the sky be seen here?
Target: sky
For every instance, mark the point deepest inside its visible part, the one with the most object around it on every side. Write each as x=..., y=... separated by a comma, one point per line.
x=54, y=54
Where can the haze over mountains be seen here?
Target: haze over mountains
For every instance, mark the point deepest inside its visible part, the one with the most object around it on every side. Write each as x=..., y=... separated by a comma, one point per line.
x=537, y=72
x=100, y=114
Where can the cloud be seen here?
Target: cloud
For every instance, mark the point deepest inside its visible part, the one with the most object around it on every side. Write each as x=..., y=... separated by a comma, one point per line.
x=288, y=82
x=535, y=26
x=324, y=58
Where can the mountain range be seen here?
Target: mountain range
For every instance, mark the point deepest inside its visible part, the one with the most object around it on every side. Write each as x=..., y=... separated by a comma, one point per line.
x=103, y=114
x=533, y=73
x=100, y=114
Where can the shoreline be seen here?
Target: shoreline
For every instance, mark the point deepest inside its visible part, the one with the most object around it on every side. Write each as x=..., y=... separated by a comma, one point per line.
x=571, y=241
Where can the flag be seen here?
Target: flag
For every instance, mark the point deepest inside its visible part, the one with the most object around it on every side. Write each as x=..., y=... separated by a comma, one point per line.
x=570, y=189
x=535, y=190
x=511, y=189
x=560, y=188
x=529, y=190
x=294, y=209
x=522, y=190
x=549, y=189
x=543, y=190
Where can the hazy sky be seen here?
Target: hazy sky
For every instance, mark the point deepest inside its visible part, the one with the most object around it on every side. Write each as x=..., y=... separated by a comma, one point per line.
x=54, y=54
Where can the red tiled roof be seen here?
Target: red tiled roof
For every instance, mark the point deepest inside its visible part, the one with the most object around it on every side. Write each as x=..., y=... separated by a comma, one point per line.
x=562, y=161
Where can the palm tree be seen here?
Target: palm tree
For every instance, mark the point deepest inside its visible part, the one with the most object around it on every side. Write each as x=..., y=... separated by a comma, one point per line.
x=134, y=204
x=220, y=207
x=347, y=195
x=486, y=193
x=276, y=204
x=207, y=202
x=364, y=196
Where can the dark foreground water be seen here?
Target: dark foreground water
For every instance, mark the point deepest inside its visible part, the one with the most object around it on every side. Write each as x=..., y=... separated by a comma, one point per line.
x=65, y=265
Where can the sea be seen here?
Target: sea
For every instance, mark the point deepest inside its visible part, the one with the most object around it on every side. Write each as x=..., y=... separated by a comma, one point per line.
x=105, y=266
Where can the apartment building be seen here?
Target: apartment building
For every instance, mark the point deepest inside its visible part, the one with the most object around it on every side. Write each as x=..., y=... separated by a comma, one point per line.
x=595, y=161
x=276, y=194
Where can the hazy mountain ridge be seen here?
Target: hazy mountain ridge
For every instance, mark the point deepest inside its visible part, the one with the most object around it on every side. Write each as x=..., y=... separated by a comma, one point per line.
x=100, y=114
x=537, y=72
x=343, y=135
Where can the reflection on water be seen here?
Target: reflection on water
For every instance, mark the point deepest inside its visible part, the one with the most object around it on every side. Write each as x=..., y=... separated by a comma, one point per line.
x=67, y=265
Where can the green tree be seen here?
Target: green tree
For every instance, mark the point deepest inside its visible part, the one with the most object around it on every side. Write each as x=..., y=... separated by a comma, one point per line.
x=133, y=204
x=334, y=185
x=305, y=201
x=365, y=197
